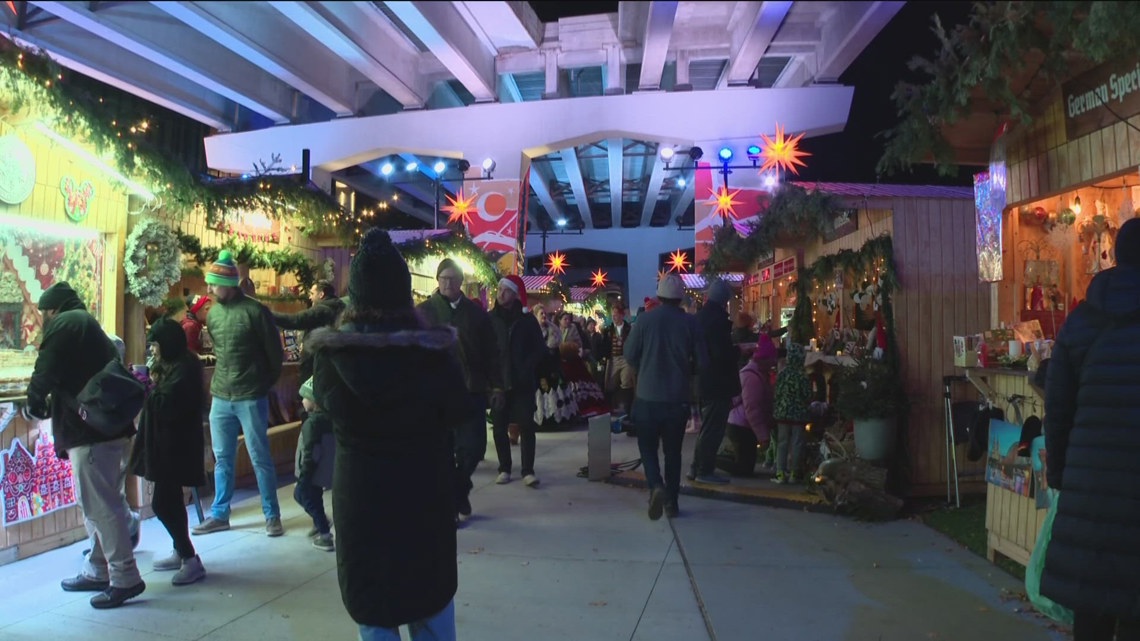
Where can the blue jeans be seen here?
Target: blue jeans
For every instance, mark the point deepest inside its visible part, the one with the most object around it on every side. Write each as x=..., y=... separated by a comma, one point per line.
x=661, y=423
x=438, y=627
x=250, y=418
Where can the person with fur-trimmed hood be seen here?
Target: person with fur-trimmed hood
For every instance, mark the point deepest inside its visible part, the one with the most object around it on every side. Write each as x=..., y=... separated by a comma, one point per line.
x=394, y=391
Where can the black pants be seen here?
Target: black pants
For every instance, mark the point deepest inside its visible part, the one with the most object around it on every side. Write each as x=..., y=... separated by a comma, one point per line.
x=740, y=457
x=311, y=498
x=518, y=409
x=1092, y=626
x=470, y=445
x=170, y=509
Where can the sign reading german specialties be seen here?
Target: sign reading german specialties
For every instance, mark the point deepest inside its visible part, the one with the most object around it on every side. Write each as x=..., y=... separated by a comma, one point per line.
x=1101, y=97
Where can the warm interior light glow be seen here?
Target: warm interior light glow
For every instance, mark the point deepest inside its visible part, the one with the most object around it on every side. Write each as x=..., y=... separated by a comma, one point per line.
x=90, y=157
x=49, y=229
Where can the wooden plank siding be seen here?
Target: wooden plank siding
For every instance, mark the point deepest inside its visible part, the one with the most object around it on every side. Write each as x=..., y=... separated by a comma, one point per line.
x=939, y=297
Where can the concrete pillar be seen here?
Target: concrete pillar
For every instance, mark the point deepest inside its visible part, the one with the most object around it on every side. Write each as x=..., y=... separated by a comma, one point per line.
x=615, y=71
x=683, y=83
x=551, y=76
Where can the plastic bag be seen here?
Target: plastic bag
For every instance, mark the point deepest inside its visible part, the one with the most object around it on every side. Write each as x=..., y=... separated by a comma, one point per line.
x=1036, y=568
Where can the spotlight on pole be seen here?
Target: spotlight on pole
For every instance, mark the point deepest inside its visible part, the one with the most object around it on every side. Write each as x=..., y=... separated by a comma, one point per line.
x=488, y=164
x=681, y=182
x=725, y=154
x=411, y=166
x=439, y=166
x=463, y=165
x=696, y=153
x=561, y=222
x=666, y=154
x=754, y=154
x=386, y=169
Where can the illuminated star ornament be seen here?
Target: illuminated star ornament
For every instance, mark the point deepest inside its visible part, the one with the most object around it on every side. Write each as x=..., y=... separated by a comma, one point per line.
x=661, y=273
x=725, y=201
x=678, y=262
x=598, y=278
x=782, y=152
x=459, y=209
x=556, y=263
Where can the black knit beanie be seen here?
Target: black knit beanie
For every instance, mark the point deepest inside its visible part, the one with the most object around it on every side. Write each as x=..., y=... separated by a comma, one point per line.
x=378, y=277
x=1128, y=243
x=57, y=296
x=170, y=337
x=447, y=263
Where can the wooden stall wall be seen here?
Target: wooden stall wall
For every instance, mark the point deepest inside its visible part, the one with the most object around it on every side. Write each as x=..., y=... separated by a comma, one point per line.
x=872, y=223
x=939, y=297
x=107, y=213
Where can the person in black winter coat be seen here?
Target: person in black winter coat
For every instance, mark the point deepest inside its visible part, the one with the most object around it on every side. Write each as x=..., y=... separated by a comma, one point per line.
x=169, y=447
x=325, y=309
x=719, y=382
x=315, y=451
x=395, y=392
x=73, y=349
x=1092, y=442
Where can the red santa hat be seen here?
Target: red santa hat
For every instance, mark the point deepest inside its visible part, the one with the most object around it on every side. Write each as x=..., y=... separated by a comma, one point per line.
x=197, y=303
x=516, y=285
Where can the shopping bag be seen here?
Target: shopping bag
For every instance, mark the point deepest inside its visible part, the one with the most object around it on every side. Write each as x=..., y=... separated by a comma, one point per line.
x=1036, y=568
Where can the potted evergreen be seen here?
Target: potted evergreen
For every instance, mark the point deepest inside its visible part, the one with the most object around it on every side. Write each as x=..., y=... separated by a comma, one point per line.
x=869, y=393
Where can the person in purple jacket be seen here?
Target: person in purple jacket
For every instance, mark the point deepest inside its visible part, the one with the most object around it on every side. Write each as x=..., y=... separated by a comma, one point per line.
x=750, y=421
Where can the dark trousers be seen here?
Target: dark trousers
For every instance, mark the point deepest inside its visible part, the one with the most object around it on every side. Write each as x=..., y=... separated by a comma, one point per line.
x=470, y=445
x=661, y=425
x=311, y=498
x=740, y=459
x=714, y=419
x=518, y=409
x=170, y=509
x=1093, y=626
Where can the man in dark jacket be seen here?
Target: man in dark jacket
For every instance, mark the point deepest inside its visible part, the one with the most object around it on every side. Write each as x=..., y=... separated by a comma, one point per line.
x=73, y=349
x=323, y=312
x=718, y=382
x=1092, y=442
x=521, y=350
x=620, y=377
x=481, y=370
x=250, y=355
x=663, y=347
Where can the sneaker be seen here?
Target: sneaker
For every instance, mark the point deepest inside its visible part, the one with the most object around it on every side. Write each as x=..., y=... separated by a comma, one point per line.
x=780, y=478
x=210, y=525
x=324, y=542
x=712, y=479
x=530, y=480
x=503, y=478
x=671, y=510
x=656, y=503
x=113, y=597
x=169, y=564
x=190, y=572
x=313, y=531
x=84, y=583
x=463, y=506
x=273, y=527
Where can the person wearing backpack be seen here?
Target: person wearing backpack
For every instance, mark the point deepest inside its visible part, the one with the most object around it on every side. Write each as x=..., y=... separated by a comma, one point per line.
x=74, y=349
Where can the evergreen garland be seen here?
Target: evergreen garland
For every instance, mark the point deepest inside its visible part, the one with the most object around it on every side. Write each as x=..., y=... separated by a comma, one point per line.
x=456, y=244
x=152, y=262
x=281, y=261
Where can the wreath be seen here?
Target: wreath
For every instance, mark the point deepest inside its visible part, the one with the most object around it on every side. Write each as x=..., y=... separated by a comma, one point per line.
x=153, y=262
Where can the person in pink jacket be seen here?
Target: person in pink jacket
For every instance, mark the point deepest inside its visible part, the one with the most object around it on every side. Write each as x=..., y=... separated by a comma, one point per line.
x=750, y=421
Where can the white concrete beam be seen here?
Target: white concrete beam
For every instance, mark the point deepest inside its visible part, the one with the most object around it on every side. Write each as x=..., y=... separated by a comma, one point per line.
x=853, y=26
x=536, y=60
x=751, y=39
x=653, y=190
x=631, y=20
x=286, y=53
x=578, y=184
x=655, y=43
x=615, y=71
x=445, y=33
x=144, y=32
x=76, y=49
x=359, y=34
x=616, y=156
x=539, y=182
x=503, y=25
x=540, y=127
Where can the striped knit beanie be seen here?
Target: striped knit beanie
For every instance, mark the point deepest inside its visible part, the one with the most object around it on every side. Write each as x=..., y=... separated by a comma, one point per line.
x=223, y=272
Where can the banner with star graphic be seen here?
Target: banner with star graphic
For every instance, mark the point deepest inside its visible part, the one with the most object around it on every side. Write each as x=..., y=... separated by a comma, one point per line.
x=492, y=217
x=740, y=203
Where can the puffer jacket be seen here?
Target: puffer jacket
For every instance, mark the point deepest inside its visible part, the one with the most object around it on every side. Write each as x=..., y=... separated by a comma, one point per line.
x=753, y=408
x=323, y=313
x=793, y=389
x=248, y=348
x=1092, y=442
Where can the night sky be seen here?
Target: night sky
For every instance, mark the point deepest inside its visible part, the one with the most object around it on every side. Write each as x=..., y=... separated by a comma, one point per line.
x=851, y=156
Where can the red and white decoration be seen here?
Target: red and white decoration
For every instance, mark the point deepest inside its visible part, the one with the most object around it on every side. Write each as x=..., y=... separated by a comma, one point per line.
x=32, y=486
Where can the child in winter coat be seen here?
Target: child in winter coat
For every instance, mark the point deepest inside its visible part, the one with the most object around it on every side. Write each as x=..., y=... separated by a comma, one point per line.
x=793, y=397
x=750, y=421
x=316, y=450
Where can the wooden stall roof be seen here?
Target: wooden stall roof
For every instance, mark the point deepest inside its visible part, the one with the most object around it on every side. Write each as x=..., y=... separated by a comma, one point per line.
x=865, y=190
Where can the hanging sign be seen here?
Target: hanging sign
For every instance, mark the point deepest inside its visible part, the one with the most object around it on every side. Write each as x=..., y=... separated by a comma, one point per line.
x=17, y=170
x=842, y=223
x=1101, y=97
x=76, y=197
x=778, y=270
x=252, y=226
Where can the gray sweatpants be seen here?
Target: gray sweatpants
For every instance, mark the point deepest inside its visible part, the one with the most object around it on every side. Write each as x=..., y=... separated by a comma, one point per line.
x=99, y=477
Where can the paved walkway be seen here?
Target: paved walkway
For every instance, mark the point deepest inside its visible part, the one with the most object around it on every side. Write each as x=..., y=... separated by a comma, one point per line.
x=572, y=560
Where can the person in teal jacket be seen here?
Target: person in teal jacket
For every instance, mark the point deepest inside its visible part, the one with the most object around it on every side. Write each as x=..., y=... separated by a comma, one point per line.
x=250, y=355
x=793, y=397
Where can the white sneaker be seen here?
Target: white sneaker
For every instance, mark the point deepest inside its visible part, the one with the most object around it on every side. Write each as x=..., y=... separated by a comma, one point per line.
x=530, y=480
x=168, y=564
x=503, y=478
x=191, y=572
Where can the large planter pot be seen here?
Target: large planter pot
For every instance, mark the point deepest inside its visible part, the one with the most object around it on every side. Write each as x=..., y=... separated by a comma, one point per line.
x=875, y=438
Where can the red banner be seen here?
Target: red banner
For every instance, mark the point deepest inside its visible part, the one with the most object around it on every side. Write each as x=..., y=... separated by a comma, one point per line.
x=494, y=221
x=747, y=198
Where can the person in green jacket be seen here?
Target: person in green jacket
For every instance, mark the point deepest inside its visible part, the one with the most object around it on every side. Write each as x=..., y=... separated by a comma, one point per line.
x=793, y=397
x=250, y=355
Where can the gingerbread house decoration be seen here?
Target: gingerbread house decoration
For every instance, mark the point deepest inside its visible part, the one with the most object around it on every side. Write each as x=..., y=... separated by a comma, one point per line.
x=17, y=486
x=53, y=479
